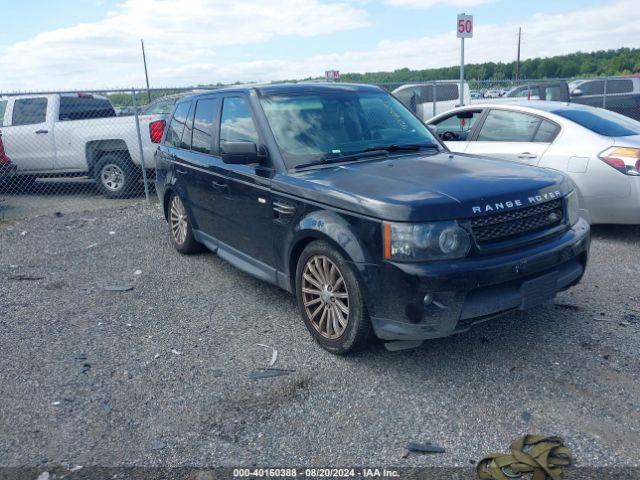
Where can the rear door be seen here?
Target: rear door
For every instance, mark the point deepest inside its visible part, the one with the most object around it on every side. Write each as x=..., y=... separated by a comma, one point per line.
x=28, y=139
x=512, y=135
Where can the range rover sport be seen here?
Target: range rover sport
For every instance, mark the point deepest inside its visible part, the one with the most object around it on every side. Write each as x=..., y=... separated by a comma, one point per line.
x=339, y=194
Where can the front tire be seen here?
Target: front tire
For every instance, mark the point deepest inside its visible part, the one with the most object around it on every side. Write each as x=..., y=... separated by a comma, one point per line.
x=180, y=230
x=116, y=175
x=330, y=299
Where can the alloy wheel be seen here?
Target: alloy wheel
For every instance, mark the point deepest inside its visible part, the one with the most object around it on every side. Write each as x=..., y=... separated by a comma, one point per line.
x=178, y=220
x=325, y=296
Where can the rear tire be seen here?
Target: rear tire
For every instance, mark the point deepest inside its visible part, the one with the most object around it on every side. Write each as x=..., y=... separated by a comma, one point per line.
x=331, y=301
x=117, y=176
x=180, y=230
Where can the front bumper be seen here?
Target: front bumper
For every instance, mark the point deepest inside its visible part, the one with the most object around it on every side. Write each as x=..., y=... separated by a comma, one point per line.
x=472, y=290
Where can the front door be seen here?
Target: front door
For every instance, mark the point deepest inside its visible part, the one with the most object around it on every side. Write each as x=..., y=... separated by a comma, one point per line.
x=246, y=210
x=514, y=136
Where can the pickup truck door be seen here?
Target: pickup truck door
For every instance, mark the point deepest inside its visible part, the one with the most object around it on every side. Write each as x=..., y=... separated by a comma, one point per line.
x=28, y=137
x=512, y=135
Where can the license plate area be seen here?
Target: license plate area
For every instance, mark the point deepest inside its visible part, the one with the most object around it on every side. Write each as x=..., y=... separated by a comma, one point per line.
x=538, y=290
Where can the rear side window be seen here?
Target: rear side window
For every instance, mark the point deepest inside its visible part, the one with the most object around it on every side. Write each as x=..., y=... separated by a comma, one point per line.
x=84, y=107
x=595, y=87
x=603, y=122
x=236, y=124
x=206, y=110
x=29, y=111
x=547, y=132
x=3, y=108
x=619, y=86
x=176, y=127
x=504, y=126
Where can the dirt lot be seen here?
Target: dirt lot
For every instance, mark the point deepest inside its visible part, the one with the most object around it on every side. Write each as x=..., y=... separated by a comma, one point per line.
x=159, y=374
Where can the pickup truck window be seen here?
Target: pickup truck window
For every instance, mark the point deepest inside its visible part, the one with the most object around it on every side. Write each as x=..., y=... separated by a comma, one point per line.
x=176, y=127
x=3, y=108
x=29, y=111
x=206, y=110
x=620, y=86
x=236, y=124
x=73, y=107
x=310, y=127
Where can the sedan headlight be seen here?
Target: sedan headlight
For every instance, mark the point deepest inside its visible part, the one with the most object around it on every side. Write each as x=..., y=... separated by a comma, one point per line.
x=573, y=208
x=425, y=241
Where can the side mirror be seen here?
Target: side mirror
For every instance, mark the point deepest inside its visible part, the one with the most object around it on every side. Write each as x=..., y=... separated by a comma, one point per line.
x=576, y=92
x=239, y=153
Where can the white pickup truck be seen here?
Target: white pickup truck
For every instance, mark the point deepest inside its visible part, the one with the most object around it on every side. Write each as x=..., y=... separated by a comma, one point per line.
x=74, y=135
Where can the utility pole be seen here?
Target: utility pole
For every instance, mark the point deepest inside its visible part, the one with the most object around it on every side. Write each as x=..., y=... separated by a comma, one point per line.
x=146, y=75
x=518, y=60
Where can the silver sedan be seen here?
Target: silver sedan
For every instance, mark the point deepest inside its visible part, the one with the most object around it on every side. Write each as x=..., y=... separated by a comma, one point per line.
x=598, y=149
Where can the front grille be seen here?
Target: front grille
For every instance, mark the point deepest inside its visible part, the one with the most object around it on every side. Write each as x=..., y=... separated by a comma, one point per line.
x=500, y=226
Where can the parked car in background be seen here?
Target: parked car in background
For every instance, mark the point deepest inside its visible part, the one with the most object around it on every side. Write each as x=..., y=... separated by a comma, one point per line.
x=492, y=93
x=72, y=135
x=551, y=91
x=598, y=149
x=339, y=194
x=419, y=97
x=618, y=94
x=7, y=168
x=475, y=94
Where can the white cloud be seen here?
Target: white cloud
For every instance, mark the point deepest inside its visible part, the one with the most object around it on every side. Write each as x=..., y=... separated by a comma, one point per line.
x=437, y=3
x=178, y=34
x=186, y=45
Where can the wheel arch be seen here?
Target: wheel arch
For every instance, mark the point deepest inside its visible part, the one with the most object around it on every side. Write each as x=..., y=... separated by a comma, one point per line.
x=96, y=149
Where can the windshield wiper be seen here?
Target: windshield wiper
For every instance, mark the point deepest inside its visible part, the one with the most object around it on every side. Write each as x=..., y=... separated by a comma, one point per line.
x=344, y=158
x=409, y=147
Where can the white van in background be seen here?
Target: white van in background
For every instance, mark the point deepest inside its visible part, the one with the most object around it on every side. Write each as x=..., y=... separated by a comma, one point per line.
x=419, y=97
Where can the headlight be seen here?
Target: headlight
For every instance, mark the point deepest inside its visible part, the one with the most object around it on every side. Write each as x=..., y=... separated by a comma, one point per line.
x=425, y=241
x=573, y=208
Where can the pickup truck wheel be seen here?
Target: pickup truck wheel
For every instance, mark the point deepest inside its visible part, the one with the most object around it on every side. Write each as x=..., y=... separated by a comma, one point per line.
x=116, y=176
x=180, y=227
x=330, y=300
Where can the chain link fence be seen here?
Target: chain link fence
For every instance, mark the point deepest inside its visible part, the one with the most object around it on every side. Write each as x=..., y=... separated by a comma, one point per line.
x=93, y=149
x=79, y=150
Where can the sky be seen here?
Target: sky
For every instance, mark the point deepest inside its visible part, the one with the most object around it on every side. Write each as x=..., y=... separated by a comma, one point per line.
x=91, y=44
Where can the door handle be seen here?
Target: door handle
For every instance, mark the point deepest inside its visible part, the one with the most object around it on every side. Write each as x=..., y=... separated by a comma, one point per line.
x=527, y=155
x=219, y=185
x=181, y=171
x=38, y=132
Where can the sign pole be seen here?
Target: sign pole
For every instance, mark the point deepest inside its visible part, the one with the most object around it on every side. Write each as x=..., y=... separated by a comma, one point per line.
x=462, y=71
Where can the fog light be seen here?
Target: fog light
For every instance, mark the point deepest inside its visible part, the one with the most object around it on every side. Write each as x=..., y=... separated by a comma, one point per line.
x=427, y=300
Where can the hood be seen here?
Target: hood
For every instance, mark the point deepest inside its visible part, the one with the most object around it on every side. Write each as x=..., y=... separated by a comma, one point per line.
x=426, y=187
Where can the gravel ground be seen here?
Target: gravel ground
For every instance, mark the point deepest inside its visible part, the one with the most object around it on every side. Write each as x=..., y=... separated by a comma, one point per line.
x=159, y=375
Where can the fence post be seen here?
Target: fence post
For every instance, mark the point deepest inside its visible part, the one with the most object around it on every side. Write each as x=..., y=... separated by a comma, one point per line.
x=142, y=165
x=434, y=98
x=604, y=94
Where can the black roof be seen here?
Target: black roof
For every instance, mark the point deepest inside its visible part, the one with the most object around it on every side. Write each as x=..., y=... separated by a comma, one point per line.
x=284, y=88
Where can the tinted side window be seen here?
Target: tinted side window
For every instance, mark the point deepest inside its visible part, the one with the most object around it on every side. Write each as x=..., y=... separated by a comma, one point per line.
x=78, y=108
x=206, y=111
x=236, y=124
x=160, y=107
x=3, y=108
x=29, y=111
x=595, y=87
x=546, y=132
x=174, y=133
x=503, y=126
x=619, y=86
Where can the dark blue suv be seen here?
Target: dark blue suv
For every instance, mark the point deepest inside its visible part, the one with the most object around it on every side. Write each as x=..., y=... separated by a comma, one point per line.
x=339, y=194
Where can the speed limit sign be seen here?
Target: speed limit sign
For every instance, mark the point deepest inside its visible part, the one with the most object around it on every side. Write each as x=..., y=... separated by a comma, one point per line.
x=464, y=28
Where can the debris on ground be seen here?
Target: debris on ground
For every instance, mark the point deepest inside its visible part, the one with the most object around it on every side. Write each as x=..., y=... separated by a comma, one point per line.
x=55, y=404
x=43, y=476
x=274, y=354
x=58, y=214
x=23, y=277
x=176, y=352
x=92, y=246
x=157, y=445
x=76, y=468
x=138, y=272
x=86, y=367
x=23, y=233
x=398, y=345
x=118, y=288
x=269, y=373
x=424, y=447
x=526, y=416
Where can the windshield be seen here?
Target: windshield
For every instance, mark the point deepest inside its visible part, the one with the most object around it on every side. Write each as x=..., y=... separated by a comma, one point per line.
x=603, y=122
x=314, y=126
